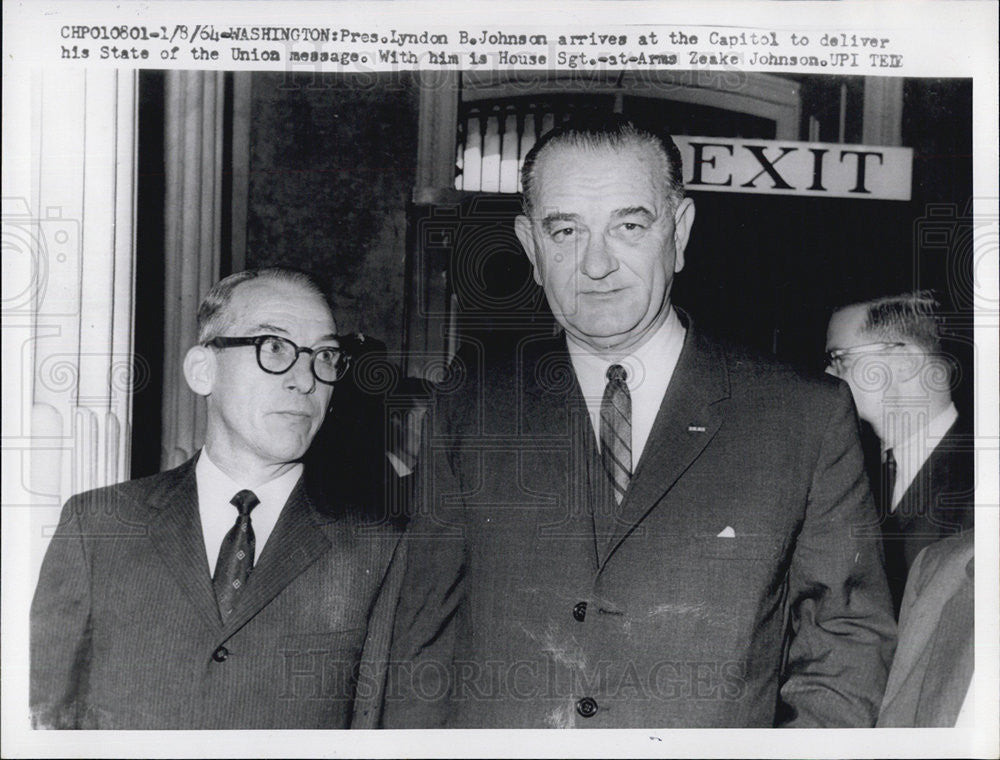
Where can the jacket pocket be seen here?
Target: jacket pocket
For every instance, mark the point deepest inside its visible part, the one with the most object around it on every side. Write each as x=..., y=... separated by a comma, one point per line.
x=762, y=547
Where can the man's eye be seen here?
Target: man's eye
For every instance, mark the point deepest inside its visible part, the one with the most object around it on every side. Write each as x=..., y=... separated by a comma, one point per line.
x=563, y=233
x=274, y=346
x=631, y=227
x=328, y=356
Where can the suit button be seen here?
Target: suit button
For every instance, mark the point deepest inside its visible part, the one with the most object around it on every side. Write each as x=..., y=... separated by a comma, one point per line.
x=220, y=654
x=587, y=707
x=579, y=611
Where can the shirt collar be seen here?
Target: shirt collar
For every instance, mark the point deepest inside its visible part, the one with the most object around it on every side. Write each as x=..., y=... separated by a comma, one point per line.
x=593, y=367
x=649, y=369
x=929, y=435
x=220, y=488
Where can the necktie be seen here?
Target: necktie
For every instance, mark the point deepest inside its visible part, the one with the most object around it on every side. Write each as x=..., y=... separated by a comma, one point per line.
x=888, y=481
x=236, y=555
x=616, y=431
x=896, y=568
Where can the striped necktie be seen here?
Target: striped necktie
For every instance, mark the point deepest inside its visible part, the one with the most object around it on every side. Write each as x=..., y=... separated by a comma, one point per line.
x=616, y=431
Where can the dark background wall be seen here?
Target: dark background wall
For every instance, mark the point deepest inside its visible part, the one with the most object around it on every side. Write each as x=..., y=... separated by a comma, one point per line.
x=332, y=166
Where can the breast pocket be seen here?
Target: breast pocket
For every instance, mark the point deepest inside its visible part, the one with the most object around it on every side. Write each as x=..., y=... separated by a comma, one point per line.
x=744, y=575
x=762, y=547
x=346, y=643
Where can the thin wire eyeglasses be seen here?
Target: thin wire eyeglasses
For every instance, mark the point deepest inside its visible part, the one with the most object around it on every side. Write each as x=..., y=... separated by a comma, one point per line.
x=277, y=355
x=835, y=358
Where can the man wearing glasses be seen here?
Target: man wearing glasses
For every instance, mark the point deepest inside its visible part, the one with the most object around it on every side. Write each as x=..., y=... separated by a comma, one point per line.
x=229, y=592
x=888, y=350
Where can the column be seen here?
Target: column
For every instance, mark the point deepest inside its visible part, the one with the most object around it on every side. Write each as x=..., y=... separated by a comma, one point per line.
x=437, y=136
x=193, y=218
x=882, y=118
x=427, y=307
x=69, y=210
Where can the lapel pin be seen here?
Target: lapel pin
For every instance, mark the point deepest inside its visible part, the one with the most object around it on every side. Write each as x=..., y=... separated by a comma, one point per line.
x=696, y=428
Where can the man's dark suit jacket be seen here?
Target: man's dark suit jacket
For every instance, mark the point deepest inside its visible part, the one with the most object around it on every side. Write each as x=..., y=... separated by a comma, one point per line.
x=730, y=590
x=933, y=666
x=126, y=634
x=938, y=503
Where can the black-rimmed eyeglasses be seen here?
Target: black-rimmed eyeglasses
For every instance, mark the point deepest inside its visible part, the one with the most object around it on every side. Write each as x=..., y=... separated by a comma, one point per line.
x=277, y=355
x=835, y=358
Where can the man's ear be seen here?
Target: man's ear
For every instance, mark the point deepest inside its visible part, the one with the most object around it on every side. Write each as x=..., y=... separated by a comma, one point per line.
x=683, y=221
x=199, y=369
x=522, y=228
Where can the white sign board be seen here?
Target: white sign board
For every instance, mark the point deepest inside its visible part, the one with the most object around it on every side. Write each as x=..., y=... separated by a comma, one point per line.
x=784, y=167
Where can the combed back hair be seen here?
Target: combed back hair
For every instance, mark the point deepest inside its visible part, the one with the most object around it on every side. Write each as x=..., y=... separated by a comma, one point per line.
x=615, y=131
x=906, y=318
x=212, y=314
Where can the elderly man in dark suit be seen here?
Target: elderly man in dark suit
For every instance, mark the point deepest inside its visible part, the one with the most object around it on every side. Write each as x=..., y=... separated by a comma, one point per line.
x=634, y=524
x=226, y=593
x=889, y=352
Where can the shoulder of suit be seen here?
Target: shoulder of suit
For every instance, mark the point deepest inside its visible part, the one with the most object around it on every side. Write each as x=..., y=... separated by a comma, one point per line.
x=113, y=501
x=750, y=366
x=368, y=515
x=493, y=382
x=952, y=461
x=945, y=557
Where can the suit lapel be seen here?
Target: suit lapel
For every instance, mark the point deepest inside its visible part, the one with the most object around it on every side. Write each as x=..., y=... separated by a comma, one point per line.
x=554, y=408
x=176, y=534
x=687, y=420
x=296, y=542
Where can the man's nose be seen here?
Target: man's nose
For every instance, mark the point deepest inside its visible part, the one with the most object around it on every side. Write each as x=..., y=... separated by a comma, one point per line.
x=597, y=261
x=300, y=376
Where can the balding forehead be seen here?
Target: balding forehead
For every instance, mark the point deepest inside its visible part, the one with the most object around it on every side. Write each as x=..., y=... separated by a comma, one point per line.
x=647, y=151
x=266, y=294
x=845, y=324
x=253, y=289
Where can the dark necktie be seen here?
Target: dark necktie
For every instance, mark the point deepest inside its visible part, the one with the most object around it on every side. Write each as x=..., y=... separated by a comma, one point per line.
x=616, y=431
x=888, y=481
x=896, y=568
x=236, y=555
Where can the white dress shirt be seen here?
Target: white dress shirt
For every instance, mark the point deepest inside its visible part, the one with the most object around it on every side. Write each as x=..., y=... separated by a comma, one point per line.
x=215, y=491
x=649, y=369
x=912, y=453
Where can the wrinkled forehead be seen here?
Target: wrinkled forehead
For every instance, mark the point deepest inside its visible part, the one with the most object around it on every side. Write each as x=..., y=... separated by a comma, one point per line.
x=288, y=305
x=565, y=168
